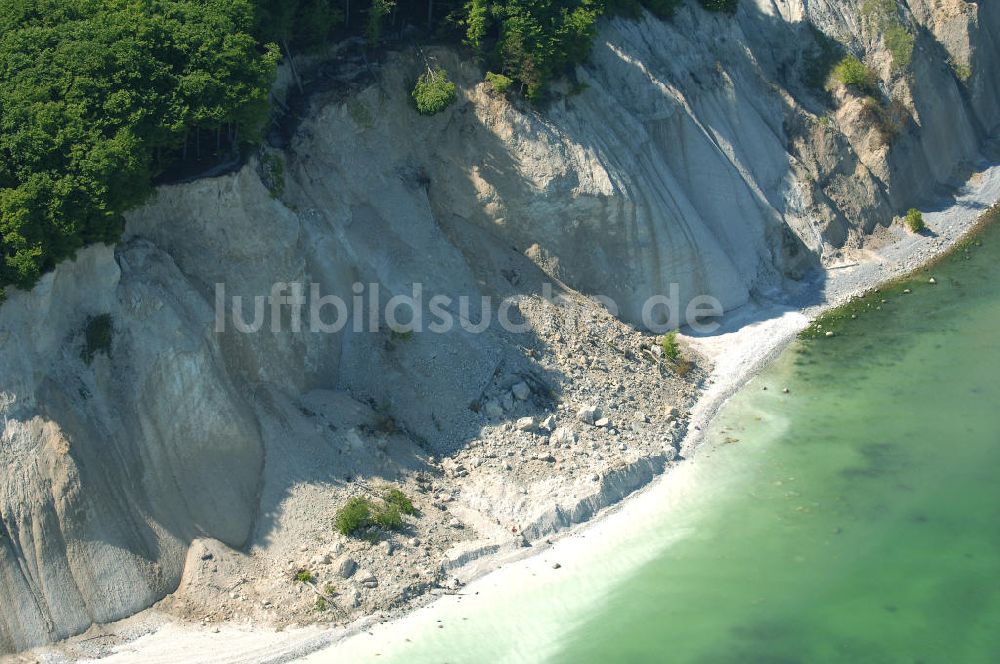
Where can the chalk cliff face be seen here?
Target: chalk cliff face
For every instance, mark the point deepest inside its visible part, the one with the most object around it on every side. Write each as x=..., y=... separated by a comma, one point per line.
x=692, y=152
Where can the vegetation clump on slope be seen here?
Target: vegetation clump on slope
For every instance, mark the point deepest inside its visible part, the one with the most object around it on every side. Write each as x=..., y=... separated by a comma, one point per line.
x=883, y=17
x=360, y=514
x=853, y=73
x=433, y=92
x=914, y=220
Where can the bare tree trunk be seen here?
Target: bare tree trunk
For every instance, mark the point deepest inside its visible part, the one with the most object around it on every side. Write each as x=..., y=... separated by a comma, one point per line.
x=430, y=15
x=291, y=63
x=347, y=15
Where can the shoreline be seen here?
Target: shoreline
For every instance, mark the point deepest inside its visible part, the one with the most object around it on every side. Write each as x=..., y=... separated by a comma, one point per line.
x=751, y=338
x=761, y=334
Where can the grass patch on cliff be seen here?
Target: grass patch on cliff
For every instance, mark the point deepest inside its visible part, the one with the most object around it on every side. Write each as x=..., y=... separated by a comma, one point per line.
x=899, y=43
x=388, y=518
x=272, y=173
x=882, y=16
x=963, y=72
x=360, y=113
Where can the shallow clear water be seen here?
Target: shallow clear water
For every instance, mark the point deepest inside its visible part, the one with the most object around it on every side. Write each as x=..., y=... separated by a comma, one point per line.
x=856, y=519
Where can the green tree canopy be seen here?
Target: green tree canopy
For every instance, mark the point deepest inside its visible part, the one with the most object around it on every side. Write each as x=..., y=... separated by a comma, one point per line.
x=98, y=97
x=91, y=91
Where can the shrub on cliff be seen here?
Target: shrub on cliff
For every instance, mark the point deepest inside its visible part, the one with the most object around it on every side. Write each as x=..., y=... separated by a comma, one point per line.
x=359, y=514
x=671, y=349
x=914, y=220
x=853, y=73
x=433, y=92
x=400, y=500
x=899, y=42
x=498, y=82
x=353, y=516
x=388, y=517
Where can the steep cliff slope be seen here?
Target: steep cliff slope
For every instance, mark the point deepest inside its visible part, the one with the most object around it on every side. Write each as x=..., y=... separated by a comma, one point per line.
x=696, y=152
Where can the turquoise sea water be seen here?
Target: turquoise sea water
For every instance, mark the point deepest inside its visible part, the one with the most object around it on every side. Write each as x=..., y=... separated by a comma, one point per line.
x=855, y=519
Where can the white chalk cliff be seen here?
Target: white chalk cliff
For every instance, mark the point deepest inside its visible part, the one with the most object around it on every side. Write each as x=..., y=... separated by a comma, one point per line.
x=692, y=152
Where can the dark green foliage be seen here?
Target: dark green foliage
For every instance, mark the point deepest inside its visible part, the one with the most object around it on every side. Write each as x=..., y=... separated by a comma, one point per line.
x=727, y=6
x=353, y=516
x=91, y=92
x=99, y=97
x=399, y=499
x=433, y=92
x=477, y=23
x=533, y=40
x=300, y=23
x=97, y=335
